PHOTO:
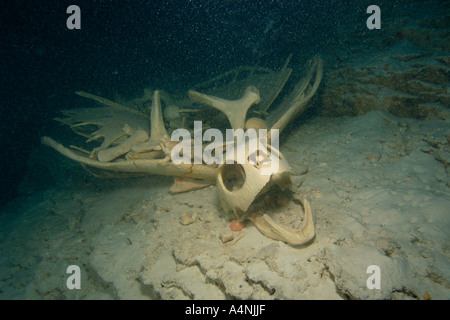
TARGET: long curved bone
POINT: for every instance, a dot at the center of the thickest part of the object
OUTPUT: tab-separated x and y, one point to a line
153	166
297	101
235	110
303	235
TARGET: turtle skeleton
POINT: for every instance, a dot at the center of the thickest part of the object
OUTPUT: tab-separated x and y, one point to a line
133	145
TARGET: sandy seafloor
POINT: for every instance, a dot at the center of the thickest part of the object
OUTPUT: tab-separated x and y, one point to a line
379	191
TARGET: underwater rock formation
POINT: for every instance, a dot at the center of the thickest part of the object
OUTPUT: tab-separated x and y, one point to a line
408	76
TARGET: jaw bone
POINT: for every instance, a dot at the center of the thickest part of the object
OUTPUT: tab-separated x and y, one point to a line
296	237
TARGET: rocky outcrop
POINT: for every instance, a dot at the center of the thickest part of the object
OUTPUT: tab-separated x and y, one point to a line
406	73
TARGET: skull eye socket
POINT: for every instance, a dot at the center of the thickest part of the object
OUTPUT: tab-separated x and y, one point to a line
233	176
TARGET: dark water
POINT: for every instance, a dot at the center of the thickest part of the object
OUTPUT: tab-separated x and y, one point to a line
125	46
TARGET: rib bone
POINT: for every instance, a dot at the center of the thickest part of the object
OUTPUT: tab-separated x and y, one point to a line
297	101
